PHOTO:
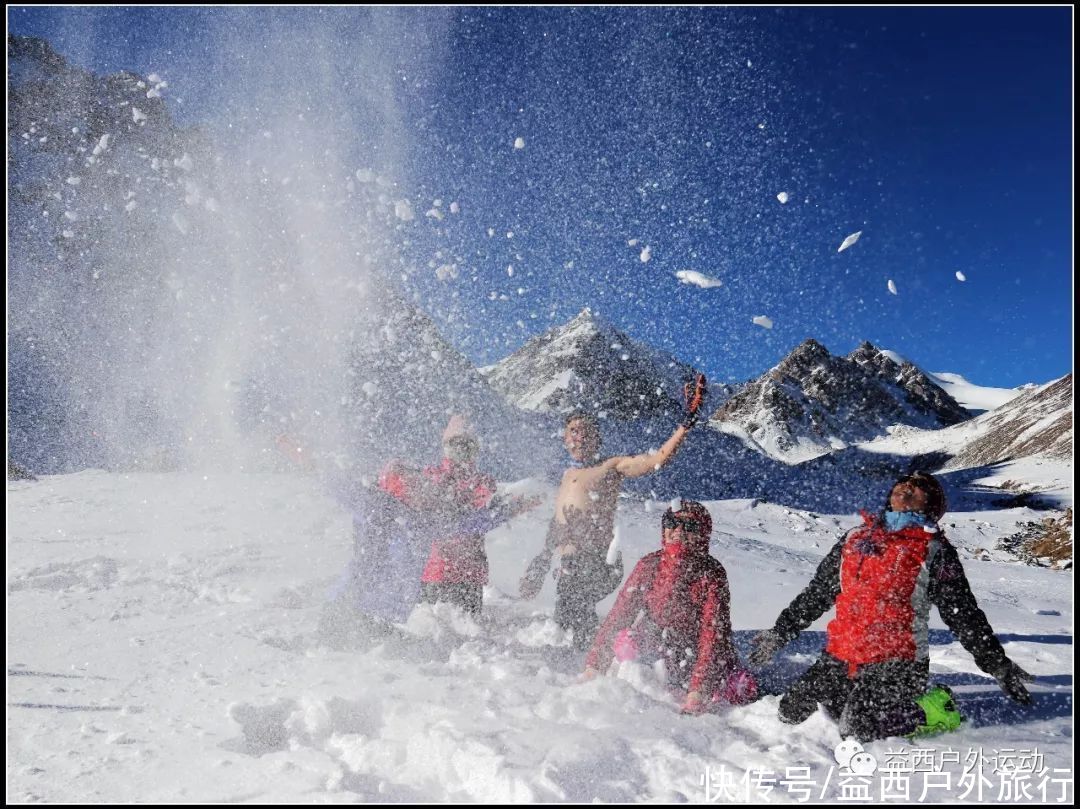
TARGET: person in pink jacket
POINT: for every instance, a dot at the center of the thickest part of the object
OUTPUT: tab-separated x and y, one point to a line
675	607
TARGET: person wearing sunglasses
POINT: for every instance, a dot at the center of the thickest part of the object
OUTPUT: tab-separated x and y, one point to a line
583	527
674	611
882	577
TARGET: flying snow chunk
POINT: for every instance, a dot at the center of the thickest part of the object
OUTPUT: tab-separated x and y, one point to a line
519	143
102	144
447	272
154	77
74	180
763	321
491	232
510	270
892	286
435	213
403	210
137	115
783	196
697	279
850	240
632	243
960	276
646	254
455	208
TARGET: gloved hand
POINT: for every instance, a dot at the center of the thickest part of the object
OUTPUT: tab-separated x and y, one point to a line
694	393
1011	679
694	704
765	646
533	580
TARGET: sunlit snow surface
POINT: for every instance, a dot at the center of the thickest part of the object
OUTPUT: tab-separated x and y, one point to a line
161	648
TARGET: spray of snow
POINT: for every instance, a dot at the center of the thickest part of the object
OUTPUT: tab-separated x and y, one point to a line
694	278
763	321
850	240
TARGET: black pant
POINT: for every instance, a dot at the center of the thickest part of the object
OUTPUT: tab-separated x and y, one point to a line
585	578
468	596
879	701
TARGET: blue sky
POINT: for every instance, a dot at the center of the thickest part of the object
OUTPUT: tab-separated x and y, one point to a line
943	134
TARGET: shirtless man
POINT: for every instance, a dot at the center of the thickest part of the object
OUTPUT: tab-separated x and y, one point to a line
584	522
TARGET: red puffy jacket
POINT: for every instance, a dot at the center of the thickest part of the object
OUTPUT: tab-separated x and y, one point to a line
883	606
678	600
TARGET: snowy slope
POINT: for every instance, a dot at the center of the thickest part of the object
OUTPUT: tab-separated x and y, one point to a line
160	650
976	398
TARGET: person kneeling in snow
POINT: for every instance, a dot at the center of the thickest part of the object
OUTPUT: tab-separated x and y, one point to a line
675	608
883	576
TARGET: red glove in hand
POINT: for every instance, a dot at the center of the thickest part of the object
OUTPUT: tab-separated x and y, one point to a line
694	393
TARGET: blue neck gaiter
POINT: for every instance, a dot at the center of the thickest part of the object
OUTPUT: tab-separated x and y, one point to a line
895	520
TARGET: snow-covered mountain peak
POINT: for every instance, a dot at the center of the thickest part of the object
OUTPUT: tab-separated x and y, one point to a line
813	402
588	363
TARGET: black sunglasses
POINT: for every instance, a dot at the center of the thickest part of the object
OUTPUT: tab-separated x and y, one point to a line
689	524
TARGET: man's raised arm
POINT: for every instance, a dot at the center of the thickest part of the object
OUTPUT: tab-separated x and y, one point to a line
634	466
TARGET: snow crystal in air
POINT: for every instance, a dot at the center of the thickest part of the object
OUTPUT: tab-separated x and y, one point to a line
697	279
68	234
102	144
783	197
519	143
491	233
455	208
632	243
892	286
403	210
850	240
137	115
763	321
960	276
510	270
447	272
646	253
